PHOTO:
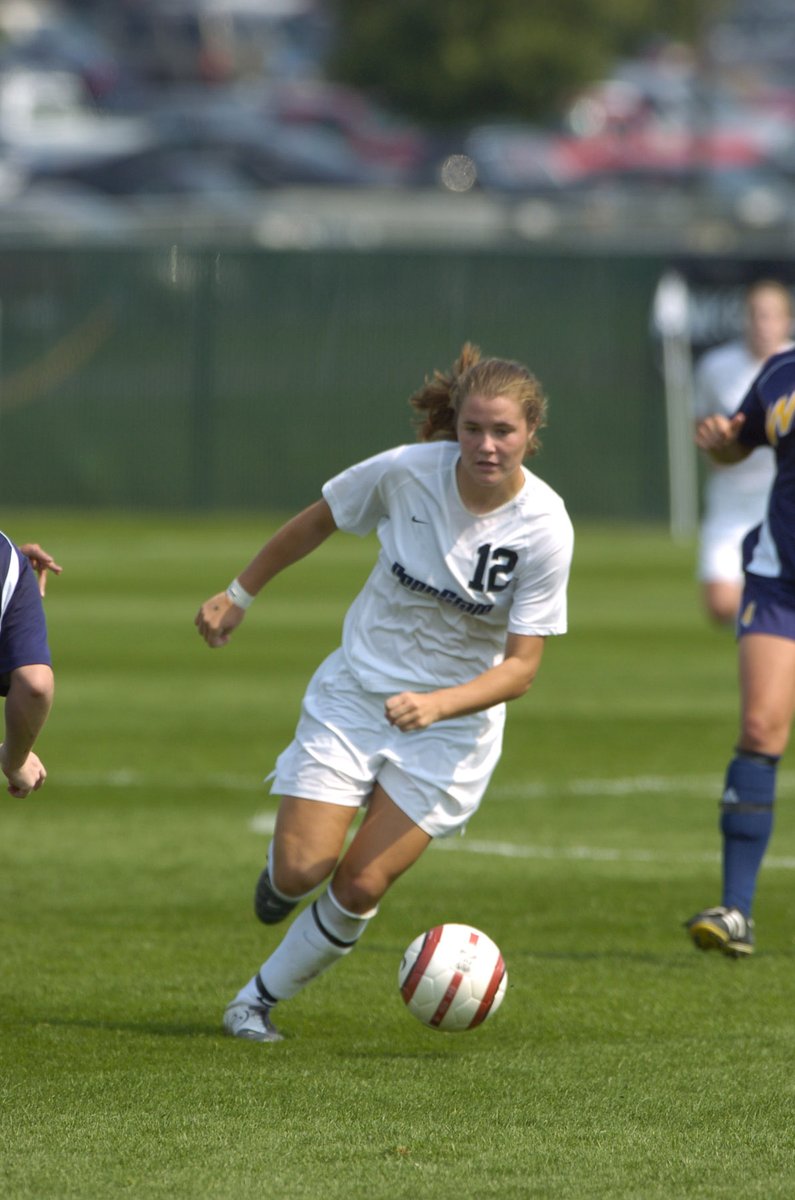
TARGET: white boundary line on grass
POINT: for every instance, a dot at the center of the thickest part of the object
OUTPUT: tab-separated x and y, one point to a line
641	785
129	777
264	823
633	785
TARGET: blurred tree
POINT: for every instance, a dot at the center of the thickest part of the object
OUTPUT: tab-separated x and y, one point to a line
456	60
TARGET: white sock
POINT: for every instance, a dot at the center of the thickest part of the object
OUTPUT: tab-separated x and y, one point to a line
322	933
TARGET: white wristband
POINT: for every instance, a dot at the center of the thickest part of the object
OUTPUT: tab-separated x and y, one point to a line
238	594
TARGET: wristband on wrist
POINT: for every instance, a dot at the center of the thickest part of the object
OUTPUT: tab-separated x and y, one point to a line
238	594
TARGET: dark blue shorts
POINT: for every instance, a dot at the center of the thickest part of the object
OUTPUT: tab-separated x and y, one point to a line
768	606
23	629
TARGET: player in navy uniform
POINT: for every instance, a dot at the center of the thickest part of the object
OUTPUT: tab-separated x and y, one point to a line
766	629
735	496
405	719
26	678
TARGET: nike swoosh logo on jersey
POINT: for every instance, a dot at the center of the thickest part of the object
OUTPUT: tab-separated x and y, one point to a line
419	521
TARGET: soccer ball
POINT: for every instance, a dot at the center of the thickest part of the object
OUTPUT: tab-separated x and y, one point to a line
452	977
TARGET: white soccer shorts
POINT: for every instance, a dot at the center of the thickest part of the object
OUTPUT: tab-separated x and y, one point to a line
344	744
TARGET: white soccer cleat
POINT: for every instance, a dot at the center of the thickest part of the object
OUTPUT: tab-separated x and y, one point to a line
250	1021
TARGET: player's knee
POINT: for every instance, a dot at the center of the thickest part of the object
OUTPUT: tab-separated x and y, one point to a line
722	614
722	601
296	867
764	734
358	891
35	682
297	879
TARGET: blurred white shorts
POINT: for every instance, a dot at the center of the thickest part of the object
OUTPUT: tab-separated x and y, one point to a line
721	546
728	517
720	551
344	745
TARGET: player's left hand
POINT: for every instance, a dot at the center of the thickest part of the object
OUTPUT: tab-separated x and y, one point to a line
412	710
42	562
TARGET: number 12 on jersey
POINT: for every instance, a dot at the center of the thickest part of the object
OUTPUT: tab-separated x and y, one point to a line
502	561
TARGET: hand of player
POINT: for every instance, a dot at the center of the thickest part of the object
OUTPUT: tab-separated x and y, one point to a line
717	431
42	562
25	779
412	710
217	619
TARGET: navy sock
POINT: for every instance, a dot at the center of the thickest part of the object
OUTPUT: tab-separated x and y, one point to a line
746	824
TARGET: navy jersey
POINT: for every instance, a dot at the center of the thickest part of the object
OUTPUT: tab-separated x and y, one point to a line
23	630
769	409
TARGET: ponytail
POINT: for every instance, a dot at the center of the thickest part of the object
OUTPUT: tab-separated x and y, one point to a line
435	402
438	402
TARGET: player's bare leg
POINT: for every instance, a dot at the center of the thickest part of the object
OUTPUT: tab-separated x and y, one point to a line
767	686
308	839
385	845
722	600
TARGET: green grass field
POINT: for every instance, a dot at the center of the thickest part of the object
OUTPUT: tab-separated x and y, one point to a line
622	1062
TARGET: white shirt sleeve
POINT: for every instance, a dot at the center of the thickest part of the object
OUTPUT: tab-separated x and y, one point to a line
357	497
539	607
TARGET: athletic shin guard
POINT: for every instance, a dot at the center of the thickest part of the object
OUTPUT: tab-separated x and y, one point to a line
746	824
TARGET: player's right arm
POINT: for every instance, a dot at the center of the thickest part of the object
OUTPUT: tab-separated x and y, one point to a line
218	617
27	707
718	435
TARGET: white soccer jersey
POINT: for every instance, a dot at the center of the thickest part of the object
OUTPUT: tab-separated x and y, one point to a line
723	376
448	584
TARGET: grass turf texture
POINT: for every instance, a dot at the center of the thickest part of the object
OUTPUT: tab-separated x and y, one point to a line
622	1062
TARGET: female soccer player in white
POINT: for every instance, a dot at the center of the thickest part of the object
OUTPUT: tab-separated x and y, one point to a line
405	719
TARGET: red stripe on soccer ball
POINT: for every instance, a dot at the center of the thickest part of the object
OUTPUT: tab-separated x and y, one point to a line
484	1008
411	982
446	1000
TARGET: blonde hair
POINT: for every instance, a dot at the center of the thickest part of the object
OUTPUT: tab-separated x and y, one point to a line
770	285
438	402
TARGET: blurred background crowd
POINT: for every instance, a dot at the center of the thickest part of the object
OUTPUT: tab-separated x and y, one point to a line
289	122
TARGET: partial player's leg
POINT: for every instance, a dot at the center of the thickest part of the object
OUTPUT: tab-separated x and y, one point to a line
307	841
722	600
720	567
385	845
767	681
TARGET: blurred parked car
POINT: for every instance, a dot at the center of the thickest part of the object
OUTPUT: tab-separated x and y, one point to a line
46	118
70	46
523	158
244	118
374	135
219	41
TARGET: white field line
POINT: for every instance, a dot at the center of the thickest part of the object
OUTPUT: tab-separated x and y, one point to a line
641	785
264	823
634	785
128	777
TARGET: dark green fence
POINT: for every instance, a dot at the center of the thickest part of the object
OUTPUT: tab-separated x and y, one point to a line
184	378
